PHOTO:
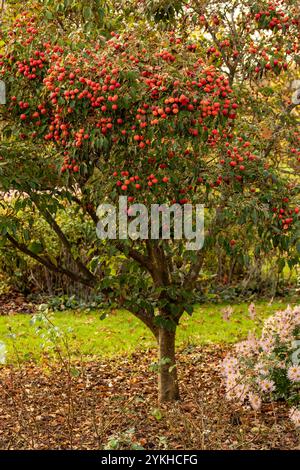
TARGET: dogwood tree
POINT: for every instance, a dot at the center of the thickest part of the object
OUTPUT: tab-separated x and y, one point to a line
199	110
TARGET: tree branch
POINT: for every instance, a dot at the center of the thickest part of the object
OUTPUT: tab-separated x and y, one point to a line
127	251
47	263
56	228
148	320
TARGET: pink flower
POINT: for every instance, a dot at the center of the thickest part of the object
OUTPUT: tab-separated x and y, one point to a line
295	416
266	385
267	344
247	372
229	365
255	401
252	311
248	347
261	368
236	391
226	313
293	373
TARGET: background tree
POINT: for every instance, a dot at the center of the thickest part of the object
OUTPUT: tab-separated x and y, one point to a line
195	109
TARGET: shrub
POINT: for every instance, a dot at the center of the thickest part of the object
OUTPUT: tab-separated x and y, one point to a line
268	368
25	274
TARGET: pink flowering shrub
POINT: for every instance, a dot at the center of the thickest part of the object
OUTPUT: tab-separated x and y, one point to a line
268	368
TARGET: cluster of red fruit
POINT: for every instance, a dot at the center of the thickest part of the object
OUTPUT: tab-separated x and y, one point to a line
191	47
121	93
35	116
133	180
271	59
82	88
275	18
69	164
238	158
282	213
264	16
173	39
133	185
31	68
213	51
295	149
212	82
166	55
24	26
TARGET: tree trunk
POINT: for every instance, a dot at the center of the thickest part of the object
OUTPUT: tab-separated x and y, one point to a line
167	380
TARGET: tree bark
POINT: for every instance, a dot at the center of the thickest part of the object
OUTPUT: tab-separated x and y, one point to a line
167	379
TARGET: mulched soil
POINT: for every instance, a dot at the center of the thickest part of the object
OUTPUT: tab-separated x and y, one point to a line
45	407
15	302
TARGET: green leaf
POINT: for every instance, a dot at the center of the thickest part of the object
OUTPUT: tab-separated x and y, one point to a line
87	13
189	309
48	15
157	414
36	247
74	372
281	264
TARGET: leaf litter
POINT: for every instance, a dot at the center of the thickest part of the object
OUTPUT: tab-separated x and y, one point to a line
112	403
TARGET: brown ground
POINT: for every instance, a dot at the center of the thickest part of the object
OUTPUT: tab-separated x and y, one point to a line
47	408
14	302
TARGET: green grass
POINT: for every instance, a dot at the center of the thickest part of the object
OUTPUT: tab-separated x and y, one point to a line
121	333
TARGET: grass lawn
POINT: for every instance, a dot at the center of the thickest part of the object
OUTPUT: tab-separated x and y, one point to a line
121	333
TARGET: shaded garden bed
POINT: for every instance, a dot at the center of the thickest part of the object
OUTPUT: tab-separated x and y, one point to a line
113	404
